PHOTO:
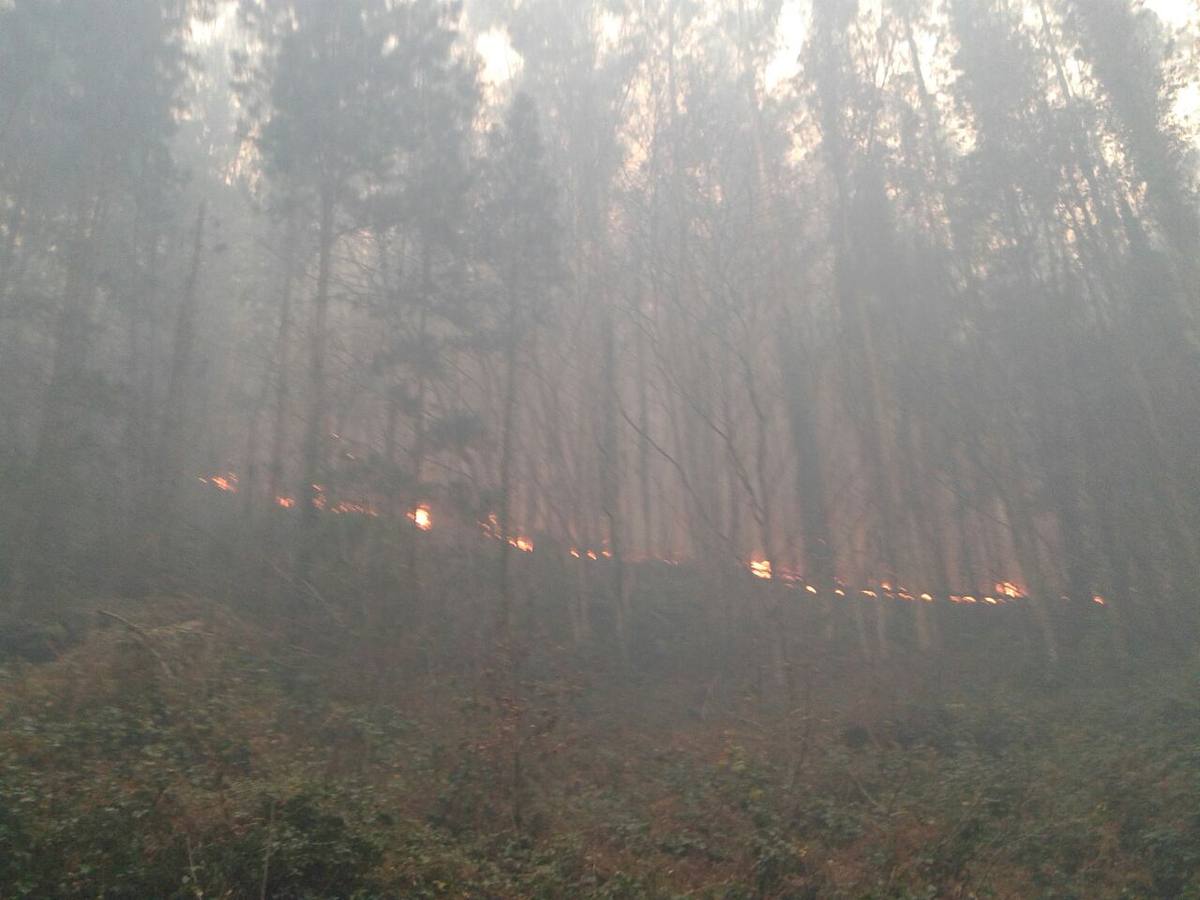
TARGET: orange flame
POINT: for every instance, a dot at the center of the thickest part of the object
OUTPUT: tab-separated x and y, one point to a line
227	481
422	517
760	568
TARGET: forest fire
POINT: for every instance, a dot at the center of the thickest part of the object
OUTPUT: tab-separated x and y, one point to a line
226	481
591	554
761	568
1001	593
491	527
422	517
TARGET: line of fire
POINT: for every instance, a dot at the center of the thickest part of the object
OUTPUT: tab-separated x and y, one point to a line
421	517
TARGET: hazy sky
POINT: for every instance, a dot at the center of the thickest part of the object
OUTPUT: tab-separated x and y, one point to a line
501	63
792	22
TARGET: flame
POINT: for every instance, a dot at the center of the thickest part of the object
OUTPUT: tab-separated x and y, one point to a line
223	481
928	598
760	568
810	588
591	554
285	502
1096	598
422	517
1008	589
839	592
575	553
524	544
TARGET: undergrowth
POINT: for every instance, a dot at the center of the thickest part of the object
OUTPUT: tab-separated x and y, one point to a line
206	757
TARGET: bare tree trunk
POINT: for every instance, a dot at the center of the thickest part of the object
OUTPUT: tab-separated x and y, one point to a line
611	475
281	369
315	430
173	440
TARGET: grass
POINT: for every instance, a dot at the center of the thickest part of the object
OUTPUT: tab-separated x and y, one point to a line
207	754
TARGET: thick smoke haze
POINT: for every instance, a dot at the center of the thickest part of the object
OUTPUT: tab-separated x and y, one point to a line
771	361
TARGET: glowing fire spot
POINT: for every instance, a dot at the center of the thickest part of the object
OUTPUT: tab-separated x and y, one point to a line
227	482
928	598
421	517
810	588
839	592
524	544
1096	598
591	554
575	553
868	593
1007	589
285	502
760	568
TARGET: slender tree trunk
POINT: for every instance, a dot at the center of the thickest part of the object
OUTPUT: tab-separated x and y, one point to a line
172	443
315	429
281	369
611	475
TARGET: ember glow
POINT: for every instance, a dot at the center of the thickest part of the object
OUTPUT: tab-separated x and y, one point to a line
760	568
491	527
422	517
1001	593
226	481
1004	592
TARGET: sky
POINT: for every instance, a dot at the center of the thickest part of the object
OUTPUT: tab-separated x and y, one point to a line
792	28
501	63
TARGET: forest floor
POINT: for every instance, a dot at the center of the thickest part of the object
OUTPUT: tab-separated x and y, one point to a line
179	751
